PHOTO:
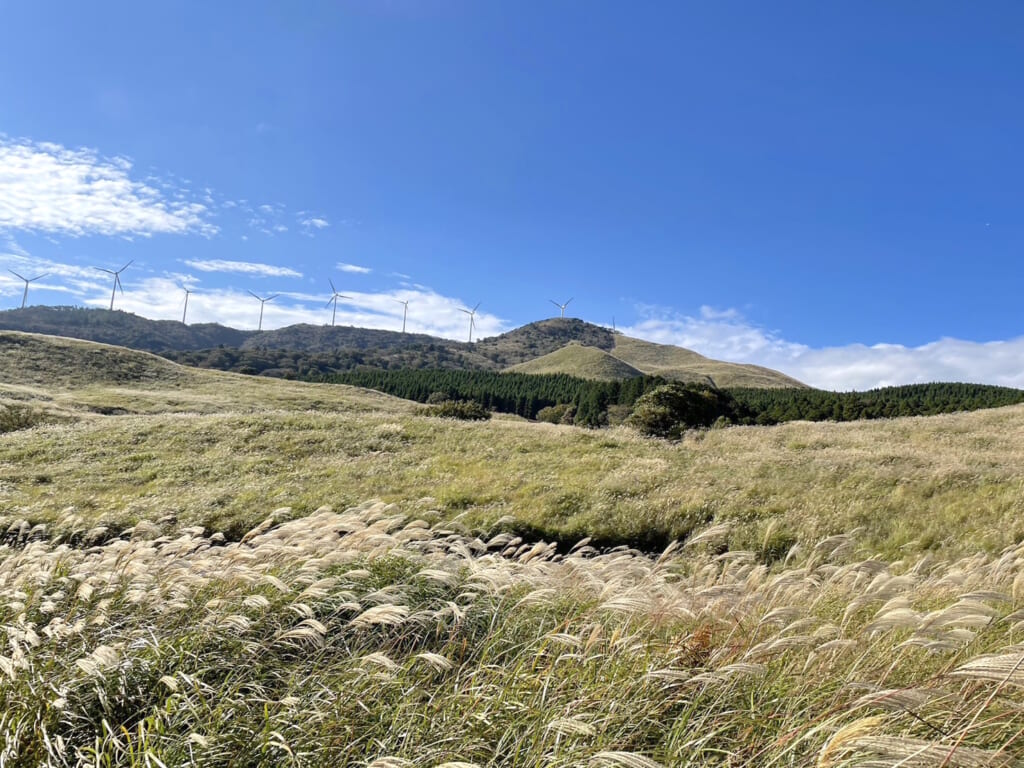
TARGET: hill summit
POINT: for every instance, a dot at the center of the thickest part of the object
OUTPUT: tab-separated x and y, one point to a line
555	345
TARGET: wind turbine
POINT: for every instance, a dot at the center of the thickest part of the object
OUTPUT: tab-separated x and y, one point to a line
405	312
262	301
117	281
471	314
24	296
561	306
334	300
188	291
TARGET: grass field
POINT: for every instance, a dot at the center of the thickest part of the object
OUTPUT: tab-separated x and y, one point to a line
191	576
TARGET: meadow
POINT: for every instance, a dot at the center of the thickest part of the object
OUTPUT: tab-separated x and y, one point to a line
207	569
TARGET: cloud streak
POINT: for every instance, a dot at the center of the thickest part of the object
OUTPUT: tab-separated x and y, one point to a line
353	268
241	268
48	188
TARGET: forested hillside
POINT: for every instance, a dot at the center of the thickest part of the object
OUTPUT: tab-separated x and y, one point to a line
527	394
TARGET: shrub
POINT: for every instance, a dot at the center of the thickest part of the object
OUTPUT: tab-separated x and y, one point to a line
467	410
668	410
555	414
15	417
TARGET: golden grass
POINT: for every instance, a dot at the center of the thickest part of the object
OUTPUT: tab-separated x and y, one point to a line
216	449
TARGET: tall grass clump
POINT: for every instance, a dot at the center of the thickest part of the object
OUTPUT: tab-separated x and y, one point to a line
367	638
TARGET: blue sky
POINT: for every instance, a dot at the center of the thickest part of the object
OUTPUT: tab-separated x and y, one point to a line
831	189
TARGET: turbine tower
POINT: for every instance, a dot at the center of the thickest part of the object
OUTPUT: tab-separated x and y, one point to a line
405	312
334	300
188	292
262	301
117	281
472	314
561	306
24	296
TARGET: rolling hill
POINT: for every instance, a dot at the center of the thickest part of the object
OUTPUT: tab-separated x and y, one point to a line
311	350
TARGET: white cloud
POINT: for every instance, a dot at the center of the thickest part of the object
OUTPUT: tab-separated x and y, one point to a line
48	188
241	267
727	335
311	224
354	268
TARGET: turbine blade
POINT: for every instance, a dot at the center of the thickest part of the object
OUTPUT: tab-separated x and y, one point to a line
271	298
333	289
117	282
477	306
253	294
343	296
333	299
39	277
17	275
108	271
555	303
568	302
465	310
122	269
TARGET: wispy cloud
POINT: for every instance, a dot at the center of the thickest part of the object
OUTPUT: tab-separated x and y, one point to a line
310	225
242	268
727	335
48	188
354	268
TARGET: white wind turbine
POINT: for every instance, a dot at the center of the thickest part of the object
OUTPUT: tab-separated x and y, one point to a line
24	296
472	314
188	291
561	306
334	300
117	281
262	301
405	312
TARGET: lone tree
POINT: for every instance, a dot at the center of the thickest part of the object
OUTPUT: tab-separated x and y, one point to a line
668	410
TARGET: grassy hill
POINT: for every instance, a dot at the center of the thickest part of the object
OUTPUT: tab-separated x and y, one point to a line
686	365
201	579
578	360
313	350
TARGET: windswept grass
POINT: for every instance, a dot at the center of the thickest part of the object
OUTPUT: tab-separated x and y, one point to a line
368	638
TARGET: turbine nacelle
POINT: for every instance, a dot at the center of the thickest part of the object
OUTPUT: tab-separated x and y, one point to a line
561	306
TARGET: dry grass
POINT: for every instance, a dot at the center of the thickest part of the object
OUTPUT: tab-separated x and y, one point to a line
369	638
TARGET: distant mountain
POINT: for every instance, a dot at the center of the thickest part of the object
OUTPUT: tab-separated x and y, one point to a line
557	345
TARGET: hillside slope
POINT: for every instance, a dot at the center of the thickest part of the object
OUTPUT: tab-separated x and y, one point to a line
71	378
683	364
578	360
